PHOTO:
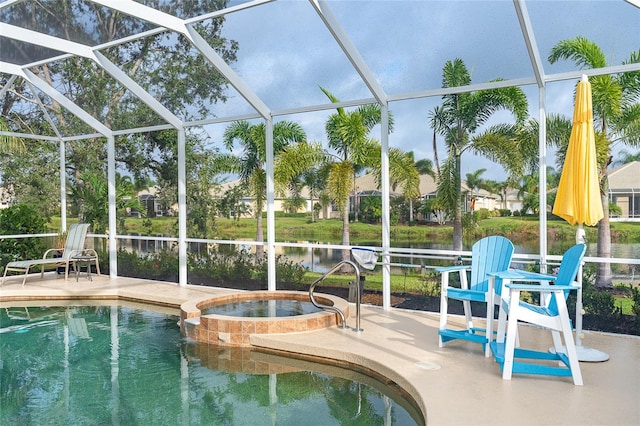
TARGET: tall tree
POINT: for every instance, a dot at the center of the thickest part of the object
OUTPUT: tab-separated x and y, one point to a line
616	110
528	192
33	177
461	115
250	164
165	65
348	134
436	120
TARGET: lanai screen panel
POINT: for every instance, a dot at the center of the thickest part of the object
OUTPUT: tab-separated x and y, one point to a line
406	43
25	103
79	21
612	25
286	53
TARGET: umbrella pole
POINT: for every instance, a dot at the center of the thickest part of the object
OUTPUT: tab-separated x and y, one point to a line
584	353
581	238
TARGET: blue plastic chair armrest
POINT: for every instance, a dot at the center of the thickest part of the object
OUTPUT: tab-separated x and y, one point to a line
508	274
542	288
452	268
520	275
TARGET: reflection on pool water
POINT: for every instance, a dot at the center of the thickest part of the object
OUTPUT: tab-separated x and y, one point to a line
263	308
125	365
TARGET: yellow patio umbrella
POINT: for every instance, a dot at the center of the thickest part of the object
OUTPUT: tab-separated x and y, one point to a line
578	198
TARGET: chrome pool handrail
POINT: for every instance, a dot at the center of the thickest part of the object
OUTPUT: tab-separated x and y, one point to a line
333	308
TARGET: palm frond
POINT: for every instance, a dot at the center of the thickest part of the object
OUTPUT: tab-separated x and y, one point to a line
580	50
340	183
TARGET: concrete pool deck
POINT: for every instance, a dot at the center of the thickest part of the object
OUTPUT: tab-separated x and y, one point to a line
455	385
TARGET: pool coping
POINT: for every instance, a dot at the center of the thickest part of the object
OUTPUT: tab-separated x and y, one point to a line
237	331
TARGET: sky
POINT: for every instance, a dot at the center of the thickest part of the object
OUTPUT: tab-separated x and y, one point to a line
286	53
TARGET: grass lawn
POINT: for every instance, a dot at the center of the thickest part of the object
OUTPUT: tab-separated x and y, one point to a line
625	303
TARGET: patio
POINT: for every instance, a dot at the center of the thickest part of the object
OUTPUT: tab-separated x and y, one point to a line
402	346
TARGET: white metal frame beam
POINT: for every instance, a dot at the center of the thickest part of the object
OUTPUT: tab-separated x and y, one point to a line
530	40
349	49
85	51
178	25
67	103
538	70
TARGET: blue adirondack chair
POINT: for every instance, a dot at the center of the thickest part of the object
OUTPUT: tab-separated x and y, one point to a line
490	254
551	314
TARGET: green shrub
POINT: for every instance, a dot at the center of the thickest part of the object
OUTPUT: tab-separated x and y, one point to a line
483	213
370	209
635	296
228	264
286	271
594	300
430	284
599	302
16	220
223	263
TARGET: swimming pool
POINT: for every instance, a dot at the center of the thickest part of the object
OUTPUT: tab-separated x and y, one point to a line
126	365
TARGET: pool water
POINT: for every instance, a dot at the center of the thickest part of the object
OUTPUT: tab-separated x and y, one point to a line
263	308
120	365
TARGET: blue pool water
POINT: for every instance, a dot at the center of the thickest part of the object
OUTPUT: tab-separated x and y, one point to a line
263	308
117	365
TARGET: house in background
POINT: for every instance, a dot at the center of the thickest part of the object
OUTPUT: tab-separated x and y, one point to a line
624	191
246	205
151	202
480	199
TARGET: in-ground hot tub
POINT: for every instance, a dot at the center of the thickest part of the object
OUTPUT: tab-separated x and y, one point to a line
200	321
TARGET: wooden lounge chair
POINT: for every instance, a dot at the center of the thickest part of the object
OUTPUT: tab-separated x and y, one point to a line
74	246
490	254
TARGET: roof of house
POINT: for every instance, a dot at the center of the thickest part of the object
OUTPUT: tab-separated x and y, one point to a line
427	186
626	176
221	189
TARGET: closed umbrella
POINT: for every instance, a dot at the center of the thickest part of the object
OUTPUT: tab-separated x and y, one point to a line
578	197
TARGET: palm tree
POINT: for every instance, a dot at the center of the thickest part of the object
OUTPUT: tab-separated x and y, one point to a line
460	116
424	166
315	179
528	191
91	194
299	165
616	110
251	162
348	132
9	144
436	119
475	181
405	172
